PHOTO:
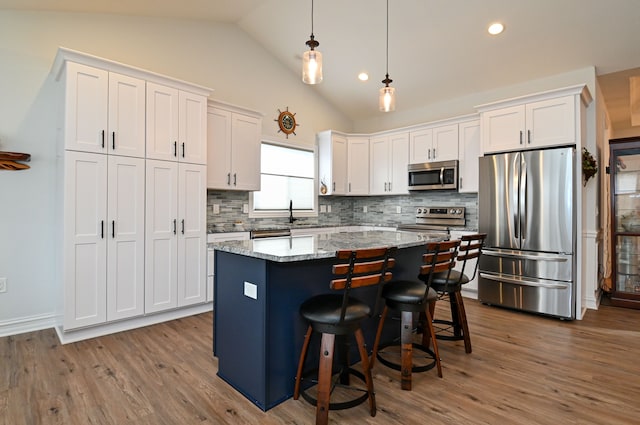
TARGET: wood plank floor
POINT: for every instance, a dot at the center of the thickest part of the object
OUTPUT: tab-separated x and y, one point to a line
524	369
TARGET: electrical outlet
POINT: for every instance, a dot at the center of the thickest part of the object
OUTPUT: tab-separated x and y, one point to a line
328	208
399	209
3	284
364	209
245	208
216	208
323	208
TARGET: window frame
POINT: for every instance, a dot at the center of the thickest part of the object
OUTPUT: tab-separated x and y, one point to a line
285	213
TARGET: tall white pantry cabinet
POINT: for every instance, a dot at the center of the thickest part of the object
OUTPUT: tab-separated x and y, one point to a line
133	234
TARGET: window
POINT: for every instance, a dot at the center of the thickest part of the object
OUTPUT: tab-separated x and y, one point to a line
287	178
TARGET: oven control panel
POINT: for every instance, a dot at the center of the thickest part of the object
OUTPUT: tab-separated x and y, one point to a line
440	212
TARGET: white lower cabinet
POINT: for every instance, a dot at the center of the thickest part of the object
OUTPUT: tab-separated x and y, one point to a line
103	238
175	235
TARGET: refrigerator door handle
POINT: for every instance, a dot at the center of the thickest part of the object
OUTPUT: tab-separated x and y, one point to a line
522	208
535	257
549	284
515	195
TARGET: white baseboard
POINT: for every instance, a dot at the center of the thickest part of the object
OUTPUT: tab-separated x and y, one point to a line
75	335
27	324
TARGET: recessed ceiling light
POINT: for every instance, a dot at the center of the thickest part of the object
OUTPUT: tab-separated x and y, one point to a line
363	76
495	28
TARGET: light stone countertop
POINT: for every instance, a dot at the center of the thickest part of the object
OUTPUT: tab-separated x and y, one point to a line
324	245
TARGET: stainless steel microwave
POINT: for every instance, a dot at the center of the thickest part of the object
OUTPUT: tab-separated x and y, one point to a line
434	175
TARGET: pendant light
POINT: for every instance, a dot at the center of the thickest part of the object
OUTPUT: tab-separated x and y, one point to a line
312	59
387	100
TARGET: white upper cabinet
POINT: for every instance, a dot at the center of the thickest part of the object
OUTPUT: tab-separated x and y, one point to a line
104	111
332	158
469	154
358	165
434	144
234	148
536	121
388	160
176	125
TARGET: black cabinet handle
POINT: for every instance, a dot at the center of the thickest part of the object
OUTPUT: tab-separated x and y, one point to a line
520	136
175	149
113	140
183	149
529	136
101	229
102	139
174	226
228	179
113	229
235	180
183	226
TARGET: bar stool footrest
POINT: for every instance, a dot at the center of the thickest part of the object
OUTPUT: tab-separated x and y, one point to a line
414	368
343	404
447	332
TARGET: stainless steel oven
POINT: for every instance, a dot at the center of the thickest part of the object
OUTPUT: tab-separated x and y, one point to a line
434	175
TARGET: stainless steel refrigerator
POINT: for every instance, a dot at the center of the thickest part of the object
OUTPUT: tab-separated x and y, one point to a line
526	206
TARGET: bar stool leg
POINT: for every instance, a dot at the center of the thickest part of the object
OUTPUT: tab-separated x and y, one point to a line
324	378
462	319
432	332
366	367
406	344
374	354
303	356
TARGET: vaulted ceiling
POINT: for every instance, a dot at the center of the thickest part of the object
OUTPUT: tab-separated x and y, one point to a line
438	49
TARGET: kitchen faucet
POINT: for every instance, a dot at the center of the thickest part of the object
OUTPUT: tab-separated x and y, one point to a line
291	219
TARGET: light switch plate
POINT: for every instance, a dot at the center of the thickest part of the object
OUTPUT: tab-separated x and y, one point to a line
245	208
399	209
323	208
251	290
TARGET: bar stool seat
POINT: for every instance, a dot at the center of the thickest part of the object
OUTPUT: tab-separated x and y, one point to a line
337	316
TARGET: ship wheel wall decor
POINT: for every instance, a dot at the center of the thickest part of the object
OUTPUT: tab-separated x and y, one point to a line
287	122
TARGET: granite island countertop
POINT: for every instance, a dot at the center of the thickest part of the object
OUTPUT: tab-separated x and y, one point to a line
323	245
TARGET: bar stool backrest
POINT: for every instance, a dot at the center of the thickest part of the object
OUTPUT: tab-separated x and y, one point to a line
365	267
470	248
440	258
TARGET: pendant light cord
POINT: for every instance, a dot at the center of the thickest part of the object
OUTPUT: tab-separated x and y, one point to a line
312	17
387	37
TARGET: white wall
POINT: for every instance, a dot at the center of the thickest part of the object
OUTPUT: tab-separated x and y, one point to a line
217	56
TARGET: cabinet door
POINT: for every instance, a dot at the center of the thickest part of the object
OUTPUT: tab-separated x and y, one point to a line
245	152
192	234
192	128
339	165
398	172
420	144
469	154
445	143
86	97
85	246
503	129
219	149
162	122
161	224
358	165
126	134
379	166
125	235
551	122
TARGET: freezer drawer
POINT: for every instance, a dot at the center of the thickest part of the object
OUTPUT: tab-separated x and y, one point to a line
527	294
533	264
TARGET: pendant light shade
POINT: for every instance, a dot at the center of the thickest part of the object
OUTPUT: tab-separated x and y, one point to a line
387	100
312	59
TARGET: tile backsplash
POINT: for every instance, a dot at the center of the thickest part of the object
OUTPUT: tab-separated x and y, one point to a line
345	210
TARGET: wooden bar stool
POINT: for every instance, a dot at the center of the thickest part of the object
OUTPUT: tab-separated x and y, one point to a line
411	297
448	287
340	315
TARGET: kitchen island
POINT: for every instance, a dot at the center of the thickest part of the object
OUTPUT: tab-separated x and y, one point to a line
259	286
